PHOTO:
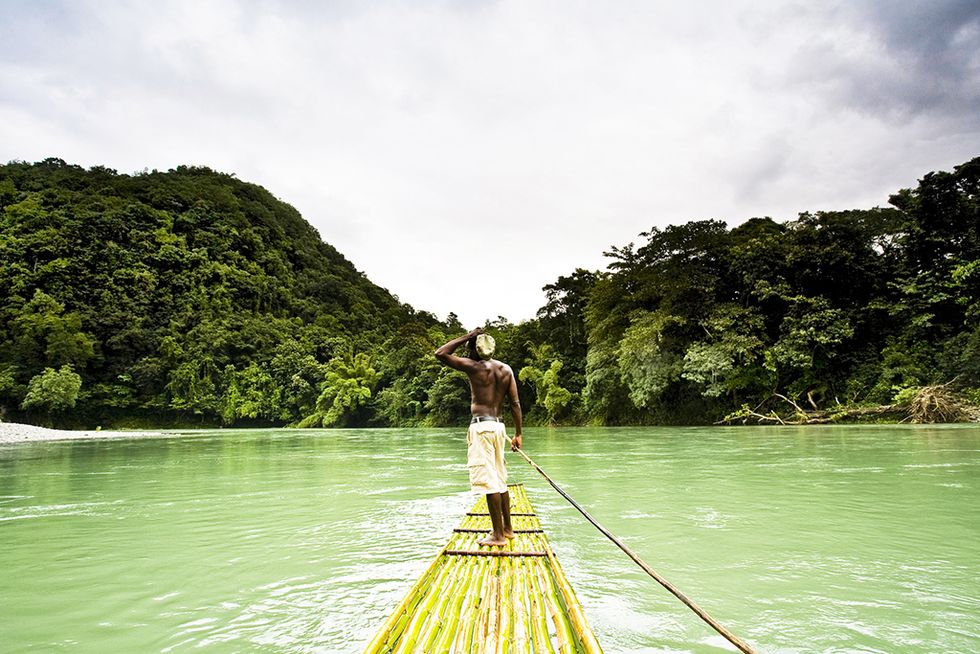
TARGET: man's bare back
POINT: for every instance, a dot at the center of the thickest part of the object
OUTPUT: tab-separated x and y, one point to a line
490	382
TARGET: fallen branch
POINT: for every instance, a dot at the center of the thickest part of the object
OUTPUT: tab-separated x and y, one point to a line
936	404
929	404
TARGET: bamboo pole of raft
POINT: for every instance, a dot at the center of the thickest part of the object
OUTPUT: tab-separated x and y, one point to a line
563	625
701	613
506	612
464	635
552	610
540	619
493	603
407	642
380	640
587	639
470	603
521	641
444	641
485	620
435	625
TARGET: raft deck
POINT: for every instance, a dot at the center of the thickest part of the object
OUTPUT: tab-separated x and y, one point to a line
475	598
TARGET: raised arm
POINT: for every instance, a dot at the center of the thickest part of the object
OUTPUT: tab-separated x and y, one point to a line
515	410
445	352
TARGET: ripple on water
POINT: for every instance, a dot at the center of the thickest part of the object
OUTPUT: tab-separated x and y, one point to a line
708	518
36	511
859	470
386	490
639	515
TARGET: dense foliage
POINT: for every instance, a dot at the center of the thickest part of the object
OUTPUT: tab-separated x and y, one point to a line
188	295
832	309
192	296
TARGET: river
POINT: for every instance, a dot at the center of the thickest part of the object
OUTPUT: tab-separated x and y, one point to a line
819	539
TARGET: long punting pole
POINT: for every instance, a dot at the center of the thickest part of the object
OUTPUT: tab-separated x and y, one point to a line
732	638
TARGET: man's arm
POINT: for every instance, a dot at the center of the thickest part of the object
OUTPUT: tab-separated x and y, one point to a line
515	410
445	353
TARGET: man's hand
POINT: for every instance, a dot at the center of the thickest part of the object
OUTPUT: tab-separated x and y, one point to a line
515	443
446	356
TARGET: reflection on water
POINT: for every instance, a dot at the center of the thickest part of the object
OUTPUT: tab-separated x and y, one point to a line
843	539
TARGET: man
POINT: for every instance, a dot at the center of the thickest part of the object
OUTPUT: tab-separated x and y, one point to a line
490	382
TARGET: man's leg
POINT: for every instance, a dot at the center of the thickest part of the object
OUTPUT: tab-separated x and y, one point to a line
505	510
496	519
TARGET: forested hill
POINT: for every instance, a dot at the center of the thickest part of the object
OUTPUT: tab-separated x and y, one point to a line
832	311
192	297
170	295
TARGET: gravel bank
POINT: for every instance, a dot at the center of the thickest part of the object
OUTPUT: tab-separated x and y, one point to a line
11	432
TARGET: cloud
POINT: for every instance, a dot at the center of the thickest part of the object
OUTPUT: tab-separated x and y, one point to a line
897	61
466	154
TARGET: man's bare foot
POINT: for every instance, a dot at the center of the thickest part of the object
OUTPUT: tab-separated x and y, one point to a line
490	541
508	534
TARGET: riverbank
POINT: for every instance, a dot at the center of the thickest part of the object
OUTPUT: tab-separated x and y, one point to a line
12	432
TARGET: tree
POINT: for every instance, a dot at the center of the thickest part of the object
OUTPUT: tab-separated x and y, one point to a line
562	317
348	386
727	359
45	335
396	404
249	393
99	270
448	399
296	379
649	360
544	376
192	292
53	391
192	386
812	333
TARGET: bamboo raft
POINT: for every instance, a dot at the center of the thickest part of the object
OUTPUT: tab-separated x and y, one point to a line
475	598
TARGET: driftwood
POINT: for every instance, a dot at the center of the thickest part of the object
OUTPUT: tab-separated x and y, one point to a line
930	404
940	404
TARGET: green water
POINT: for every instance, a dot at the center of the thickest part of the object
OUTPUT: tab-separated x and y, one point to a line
854	539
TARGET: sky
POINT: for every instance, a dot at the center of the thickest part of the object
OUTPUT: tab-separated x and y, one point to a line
465	154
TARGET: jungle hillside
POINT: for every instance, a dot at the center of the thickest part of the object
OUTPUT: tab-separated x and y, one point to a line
192	298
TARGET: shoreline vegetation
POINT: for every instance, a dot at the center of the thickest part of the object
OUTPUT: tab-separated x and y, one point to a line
191	298
926	405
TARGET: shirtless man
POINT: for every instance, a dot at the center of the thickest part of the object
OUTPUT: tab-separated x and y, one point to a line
490	381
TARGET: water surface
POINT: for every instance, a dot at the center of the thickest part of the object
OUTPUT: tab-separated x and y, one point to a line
829	539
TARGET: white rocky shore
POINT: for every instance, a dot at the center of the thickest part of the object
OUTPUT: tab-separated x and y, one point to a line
11	432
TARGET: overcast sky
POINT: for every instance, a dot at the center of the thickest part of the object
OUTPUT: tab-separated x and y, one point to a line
465	154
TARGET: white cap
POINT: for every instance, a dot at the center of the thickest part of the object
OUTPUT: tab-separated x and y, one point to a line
485	345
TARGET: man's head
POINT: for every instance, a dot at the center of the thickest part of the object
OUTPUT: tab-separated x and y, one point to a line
484	346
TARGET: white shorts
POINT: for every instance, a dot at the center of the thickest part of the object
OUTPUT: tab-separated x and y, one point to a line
486	444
